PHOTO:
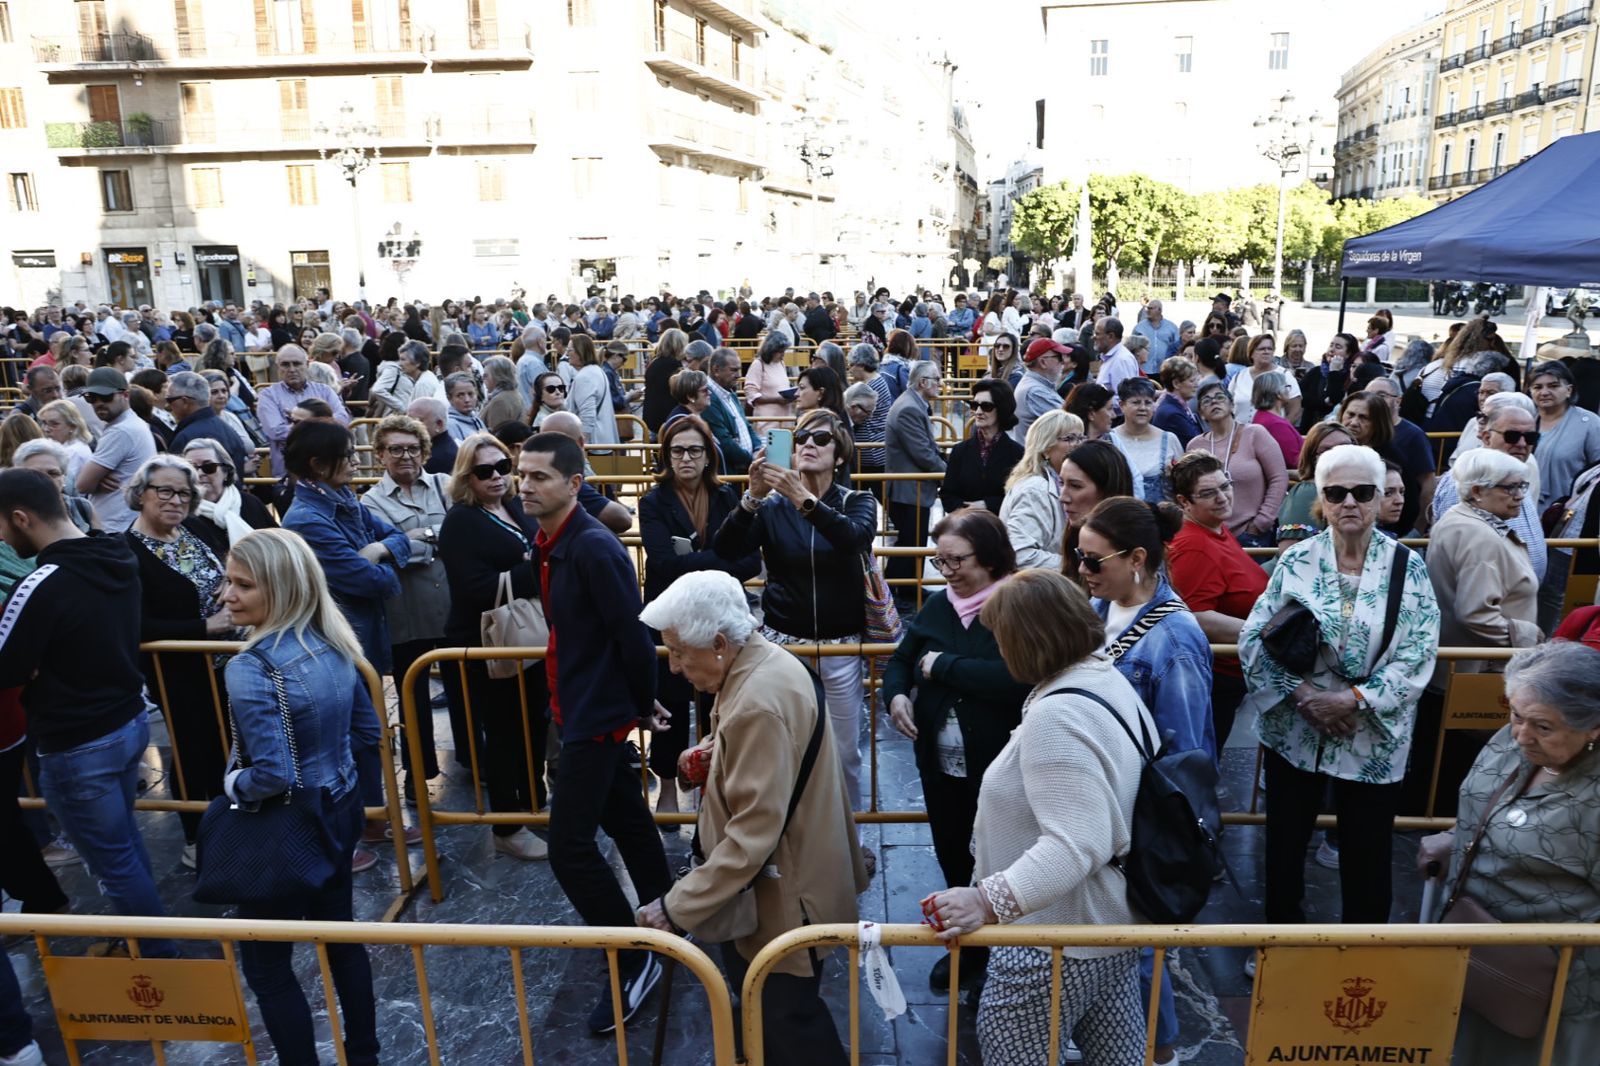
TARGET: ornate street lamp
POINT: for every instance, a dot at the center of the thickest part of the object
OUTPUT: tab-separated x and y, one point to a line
354	150
1284	139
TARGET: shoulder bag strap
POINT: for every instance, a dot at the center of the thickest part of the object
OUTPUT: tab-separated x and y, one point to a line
1477	837
1136	632
807	761
283	713
1146	751
1397	587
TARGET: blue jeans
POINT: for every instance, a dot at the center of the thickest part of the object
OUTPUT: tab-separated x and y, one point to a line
1167	1012
269	965
90	789
16	1028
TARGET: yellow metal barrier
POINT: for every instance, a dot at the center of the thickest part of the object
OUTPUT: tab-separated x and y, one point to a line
389	813
1333	939
513	939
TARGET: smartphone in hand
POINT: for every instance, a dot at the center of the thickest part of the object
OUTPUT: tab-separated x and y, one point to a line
780	447
682	545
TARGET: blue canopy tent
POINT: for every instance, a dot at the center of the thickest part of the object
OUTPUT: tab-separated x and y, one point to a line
1536	224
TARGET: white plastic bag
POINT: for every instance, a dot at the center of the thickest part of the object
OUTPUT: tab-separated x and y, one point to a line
880	978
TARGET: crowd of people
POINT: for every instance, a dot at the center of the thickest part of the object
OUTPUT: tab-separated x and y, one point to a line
331	482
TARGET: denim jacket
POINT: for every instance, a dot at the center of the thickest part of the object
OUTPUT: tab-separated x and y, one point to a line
337	527
328	703
1170	668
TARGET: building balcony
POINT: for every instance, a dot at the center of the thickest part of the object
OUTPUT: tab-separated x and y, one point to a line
1477	54
93	49
1449	118
1467	177
1501	106
1455	62
1474	113
1572	19
680	55
105	138
740	14
1527	98
1544	29
674	133
1563	89
1506	43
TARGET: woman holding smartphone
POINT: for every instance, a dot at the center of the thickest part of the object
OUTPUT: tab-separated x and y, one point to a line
677	521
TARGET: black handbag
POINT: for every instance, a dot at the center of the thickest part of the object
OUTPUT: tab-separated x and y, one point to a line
1294	639
281	850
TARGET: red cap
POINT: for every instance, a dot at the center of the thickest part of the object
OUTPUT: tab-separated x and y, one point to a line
1044	346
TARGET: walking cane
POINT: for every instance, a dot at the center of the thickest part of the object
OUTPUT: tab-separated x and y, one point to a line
669	966
1430	893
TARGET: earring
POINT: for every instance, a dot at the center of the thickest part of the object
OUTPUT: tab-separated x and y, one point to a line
1136	578
719	659
1589	746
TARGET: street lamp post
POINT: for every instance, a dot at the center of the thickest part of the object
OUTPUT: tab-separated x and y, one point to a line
354	151
814	155
1285	140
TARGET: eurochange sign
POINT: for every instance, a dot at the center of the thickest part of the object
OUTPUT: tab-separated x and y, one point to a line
1356	1005
147	999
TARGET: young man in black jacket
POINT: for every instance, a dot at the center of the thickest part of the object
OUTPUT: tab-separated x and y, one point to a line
601	669
89	725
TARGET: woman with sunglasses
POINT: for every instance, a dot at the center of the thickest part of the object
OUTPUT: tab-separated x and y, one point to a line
977	468
813	536
1252	460
486	538
1005	359
361	555
1348	720
1212	573
226	514
1031	510
550	394
1155	643
948	690
677	520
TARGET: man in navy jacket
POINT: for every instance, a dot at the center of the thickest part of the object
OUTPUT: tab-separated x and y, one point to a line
602	673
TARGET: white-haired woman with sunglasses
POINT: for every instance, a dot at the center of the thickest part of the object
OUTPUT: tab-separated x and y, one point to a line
812	534
1349	718
226	514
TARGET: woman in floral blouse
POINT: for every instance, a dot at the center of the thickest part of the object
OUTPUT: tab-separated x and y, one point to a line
1350	718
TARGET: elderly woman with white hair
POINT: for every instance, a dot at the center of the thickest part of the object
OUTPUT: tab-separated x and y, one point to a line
775	817
226	512
1509	424
1488	597
51	460
1526	847
1336	653
1490	386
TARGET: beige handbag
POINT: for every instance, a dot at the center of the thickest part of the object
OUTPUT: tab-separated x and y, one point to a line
512	623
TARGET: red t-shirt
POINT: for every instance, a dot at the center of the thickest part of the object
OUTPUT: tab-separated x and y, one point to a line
1212	573
1582	625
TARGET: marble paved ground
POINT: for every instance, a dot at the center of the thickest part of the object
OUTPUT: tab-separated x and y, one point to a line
474	1011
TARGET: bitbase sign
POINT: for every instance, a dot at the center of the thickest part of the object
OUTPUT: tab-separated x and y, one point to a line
147	999
1356	1005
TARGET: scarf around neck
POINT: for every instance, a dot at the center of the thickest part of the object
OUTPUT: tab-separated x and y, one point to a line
697	502
967	607
224	513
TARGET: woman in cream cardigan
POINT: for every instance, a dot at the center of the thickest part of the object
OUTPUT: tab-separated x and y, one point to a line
1488	597
1054	813
1035	520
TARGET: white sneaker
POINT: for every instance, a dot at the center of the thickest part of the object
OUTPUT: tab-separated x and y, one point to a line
522	845
1073	1054
28	1056
1250	966
189	856
60	852
1327	856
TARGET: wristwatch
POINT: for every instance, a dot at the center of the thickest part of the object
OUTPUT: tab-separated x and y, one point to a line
750	502
808	505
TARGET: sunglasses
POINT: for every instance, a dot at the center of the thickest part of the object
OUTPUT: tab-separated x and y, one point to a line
485	471
1517	436
562	389
1093	563
1335	494
983	405
208	468
820	437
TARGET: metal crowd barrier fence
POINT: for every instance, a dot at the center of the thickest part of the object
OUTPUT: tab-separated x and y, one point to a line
1465	707
1309	979
390	813
203	998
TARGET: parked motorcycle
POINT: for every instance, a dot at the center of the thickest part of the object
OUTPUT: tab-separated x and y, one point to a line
1457	299
1489	297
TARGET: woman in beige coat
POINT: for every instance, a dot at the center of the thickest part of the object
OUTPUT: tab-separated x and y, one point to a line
766	714
1488	597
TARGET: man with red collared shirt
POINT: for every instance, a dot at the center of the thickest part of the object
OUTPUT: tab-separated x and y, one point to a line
600	664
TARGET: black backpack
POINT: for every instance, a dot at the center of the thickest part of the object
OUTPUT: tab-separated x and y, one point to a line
1175	857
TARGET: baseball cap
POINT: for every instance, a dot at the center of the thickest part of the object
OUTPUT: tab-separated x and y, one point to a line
106	381
1044	346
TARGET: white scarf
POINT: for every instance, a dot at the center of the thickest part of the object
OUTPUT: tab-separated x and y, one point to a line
225	513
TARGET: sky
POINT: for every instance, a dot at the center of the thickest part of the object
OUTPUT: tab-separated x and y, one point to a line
1003	67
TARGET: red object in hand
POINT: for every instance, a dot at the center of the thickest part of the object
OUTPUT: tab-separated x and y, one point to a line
930	914
694	765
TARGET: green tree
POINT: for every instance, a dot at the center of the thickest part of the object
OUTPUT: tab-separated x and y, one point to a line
1134	216
1353	218
1044	223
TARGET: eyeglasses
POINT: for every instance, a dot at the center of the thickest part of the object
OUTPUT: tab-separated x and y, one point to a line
404	451
1071	438
1093	563
562	389
1216	396
1002	347
983	405
164	493
820	437
1516	488
208	468
1518	436
949	564
485	471
1335	494
687	451
1217	492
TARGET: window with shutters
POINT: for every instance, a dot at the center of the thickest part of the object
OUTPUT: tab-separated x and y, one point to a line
580	12
483	27
294	115
205	186
1185	53
1099	57
94	33
390	114
285	27
5	23
12	115
396	182
199	122
1278	53
191	27
20	188
116	191
104	103
491	181
302	185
